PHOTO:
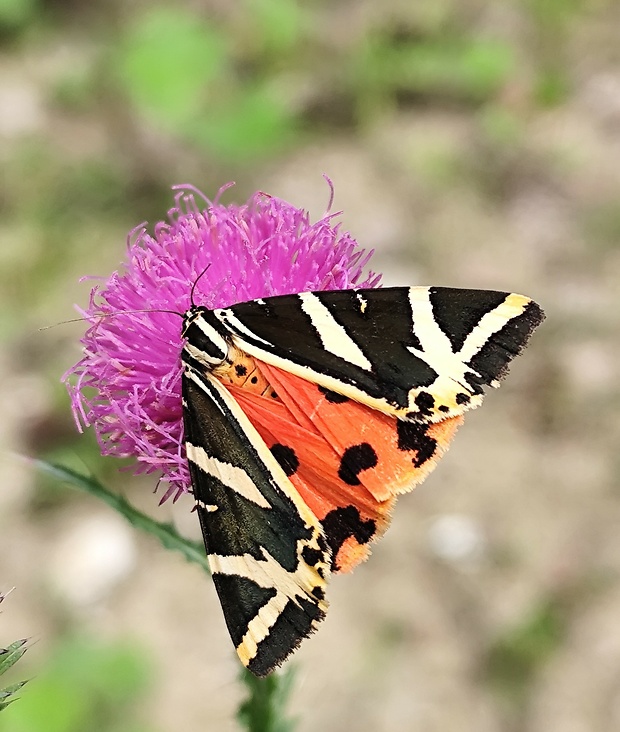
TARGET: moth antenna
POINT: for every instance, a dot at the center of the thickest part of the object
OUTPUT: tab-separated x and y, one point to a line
191	294
111	315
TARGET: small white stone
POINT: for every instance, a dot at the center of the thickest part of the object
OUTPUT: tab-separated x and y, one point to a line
21	109
91	558
456	538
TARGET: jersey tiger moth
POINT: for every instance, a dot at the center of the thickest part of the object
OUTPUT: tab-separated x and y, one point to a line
307	415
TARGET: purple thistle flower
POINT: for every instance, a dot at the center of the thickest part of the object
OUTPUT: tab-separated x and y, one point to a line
128	383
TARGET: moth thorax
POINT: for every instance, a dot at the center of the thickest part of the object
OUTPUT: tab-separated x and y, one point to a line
242	370
205	342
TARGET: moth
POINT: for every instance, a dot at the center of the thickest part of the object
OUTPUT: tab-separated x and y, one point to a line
306	416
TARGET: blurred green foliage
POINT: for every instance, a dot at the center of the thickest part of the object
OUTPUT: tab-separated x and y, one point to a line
240	85
457	68
515	659
16	14
182	72
9	656
168	61
84	686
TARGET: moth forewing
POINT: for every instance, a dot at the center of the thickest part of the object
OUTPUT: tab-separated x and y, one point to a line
266	549
412	353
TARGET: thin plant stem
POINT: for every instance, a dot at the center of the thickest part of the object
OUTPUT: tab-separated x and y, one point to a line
264	710
166	533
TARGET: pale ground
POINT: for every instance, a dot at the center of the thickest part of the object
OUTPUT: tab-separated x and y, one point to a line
523	510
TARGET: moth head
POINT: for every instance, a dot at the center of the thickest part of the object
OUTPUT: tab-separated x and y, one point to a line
206	340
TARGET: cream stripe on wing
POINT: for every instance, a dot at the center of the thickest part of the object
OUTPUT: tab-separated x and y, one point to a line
436	347
236	479
267	572
334	337
260	626
490	323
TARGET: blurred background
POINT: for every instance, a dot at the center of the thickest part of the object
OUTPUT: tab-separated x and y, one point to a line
472	144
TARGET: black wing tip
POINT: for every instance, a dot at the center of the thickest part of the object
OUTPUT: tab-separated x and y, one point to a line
492	362
525	324
534	315
270	656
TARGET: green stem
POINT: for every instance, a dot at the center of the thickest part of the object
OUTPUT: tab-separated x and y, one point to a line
166	533
264	709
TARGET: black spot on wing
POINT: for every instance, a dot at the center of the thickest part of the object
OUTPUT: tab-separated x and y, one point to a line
462	398
296	621
425	403
342	523
413	436
491	362
240	369
333	396
457	312
311	556
354	460
241	599
285	455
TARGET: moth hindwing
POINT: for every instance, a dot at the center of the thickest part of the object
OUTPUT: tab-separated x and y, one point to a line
420	356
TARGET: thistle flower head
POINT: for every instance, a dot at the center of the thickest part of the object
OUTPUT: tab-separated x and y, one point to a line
127	385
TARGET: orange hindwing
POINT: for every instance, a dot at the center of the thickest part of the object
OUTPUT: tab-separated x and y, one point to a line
347	460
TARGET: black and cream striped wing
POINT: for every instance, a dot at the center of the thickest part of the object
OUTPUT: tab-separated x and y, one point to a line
266	549
421	353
